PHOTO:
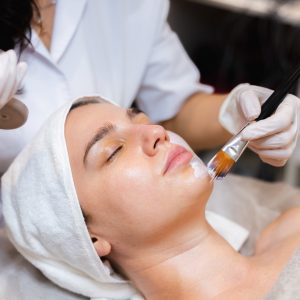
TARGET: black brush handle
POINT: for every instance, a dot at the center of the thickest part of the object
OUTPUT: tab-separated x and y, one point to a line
271	104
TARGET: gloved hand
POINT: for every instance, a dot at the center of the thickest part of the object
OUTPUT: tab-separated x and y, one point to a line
273	139
11	75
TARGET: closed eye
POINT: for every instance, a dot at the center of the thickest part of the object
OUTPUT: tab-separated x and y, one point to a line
115	152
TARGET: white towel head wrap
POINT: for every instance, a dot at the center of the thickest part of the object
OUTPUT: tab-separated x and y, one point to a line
44	219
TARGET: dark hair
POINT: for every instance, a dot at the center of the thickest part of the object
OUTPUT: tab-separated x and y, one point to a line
15	20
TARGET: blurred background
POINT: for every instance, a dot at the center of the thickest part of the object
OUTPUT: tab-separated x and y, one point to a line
235	41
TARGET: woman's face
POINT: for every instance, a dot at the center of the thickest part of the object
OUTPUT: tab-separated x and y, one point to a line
133	184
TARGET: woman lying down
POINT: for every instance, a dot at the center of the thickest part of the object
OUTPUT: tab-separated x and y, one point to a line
100	184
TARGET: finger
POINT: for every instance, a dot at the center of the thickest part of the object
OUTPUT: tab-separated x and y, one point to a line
278	122
278	154
14	63
280	140
21	71
261	92
4	64
11	75
251	100
249	105
274	162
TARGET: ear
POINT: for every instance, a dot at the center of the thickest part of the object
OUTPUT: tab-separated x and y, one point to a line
102	246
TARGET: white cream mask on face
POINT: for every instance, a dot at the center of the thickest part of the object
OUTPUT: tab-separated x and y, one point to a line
198	166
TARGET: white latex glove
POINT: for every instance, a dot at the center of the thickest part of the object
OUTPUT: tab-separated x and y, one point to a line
273	139
11	75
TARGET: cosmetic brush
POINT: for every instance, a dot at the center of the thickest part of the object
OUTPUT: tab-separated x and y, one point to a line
222	162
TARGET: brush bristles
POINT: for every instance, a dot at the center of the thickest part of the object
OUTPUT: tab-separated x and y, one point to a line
220	165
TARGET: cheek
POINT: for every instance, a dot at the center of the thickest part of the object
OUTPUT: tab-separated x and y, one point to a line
137	195
133	197
139	186
139	203
190	190
134	186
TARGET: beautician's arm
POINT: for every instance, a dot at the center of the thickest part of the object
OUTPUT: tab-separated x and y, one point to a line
197	122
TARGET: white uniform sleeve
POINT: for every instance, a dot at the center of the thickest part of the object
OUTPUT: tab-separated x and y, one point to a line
170	77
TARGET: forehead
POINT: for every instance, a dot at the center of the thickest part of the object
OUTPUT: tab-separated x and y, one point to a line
82	122
84	117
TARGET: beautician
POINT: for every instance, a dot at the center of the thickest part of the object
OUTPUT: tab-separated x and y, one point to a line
124	50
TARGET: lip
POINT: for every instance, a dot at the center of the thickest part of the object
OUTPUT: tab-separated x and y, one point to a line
176	157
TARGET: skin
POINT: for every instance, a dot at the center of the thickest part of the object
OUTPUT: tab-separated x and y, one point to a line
45	29
145	147
151	225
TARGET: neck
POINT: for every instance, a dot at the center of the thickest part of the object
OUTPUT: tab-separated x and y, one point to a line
201	266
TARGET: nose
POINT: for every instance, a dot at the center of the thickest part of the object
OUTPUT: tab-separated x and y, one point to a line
152	137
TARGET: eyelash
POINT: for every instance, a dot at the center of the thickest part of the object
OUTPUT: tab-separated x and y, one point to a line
111	157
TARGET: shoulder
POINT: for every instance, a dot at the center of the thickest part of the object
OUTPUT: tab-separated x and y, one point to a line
285	228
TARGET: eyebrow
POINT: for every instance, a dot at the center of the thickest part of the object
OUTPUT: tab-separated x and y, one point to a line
106	130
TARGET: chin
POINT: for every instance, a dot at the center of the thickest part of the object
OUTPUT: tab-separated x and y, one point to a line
205	186
199	189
